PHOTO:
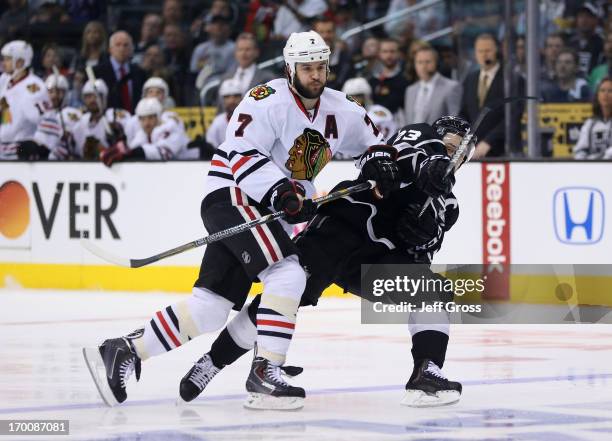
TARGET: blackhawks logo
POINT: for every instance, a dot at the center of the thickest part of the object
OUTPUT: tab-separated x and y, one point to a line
350	98
309	154
33	88
260	92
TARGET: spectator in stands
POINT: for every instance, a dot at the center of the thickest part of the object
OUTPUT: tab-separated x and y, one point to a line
154	62
172	12
260	19
554	43
74	97
587	43
433	95
411	50
93	46
50	56
218	7
123	78
420	23
84	11
213	57
485	86
245	72
150	33
567	87
176	55
388	82
50	13
344	18
340	66
368	58
295	16
595	140
520	61
14	19
604	69
452	65
231	94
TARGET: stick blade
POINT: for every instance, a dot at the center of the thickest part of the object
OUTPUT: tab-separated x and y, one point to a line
104	255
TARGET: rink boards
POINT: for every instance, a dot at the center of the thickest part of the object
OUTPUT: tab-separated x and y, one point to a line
528	213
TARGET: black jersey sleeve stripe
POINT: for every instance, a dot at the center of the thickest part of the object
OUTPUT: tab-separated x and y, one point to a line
259	164
275	334
245	153
172	316
221	175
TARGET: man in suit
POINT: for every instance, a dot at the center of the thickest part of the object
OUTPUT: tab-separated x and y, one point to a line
124	79
486	87
433	95
246	72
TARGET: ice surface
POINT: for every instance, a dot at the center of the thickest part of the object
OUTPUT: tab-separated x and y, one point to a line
520	382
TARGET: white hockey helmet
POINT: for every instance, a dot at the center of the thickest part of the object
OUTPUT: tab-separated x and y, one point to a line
304	47
156	82
230	87
97	87
56	82
18	50
149	106
383	118
357	86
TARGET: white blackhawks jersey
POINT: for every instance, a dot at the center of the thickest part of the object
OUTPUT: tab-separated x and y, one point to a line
55	133
167	141
133	125
270	137
22	104
215	135
90	137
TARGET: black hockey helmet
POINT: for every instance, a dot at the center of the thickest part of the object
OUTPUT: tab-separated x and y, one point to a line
450	124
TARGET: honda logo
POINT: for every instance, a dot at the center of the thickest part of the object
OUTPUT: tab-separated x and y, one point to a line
578	215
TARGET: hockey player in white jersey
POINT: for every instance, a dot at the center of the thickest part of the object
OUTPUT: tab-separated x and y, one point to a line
23	98
53	138
360	90
155	139
231	93
278	140
99	127
156	87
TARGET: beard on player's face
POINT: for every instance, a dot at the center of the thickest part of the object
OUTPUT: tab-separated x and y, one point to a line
311	91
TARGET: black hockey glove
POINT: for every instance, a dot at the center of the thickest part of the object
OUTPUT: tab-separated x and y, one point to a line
432	180
288	196
378	164
31	151
414	231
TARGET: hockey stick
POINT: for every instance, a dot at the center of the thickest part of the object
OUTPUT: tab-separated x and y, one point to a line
137	263
467	138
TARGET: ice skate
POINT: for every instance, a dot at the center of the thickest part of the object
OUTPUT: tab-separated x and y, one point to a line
269	391
110	366
428	387
198	377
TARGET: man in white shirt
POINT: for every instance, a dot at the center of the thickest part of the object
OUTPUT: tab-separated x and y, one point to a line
421	103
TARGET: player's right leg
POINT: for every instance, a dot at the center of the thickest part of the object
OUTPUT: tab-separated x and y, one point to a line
222	284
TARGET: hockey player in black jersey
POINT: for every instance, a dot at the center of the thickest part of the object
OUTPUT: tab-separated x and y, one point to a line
364	229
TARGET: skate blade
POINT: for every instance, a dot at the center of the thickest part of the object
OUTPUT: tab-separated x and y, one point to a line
95	364
418	398
267	402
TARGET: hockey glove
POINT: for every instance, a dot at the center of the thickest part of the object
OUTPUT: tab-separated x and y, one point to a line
432	180
115	153
378	164
414	231
31	151
288	197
